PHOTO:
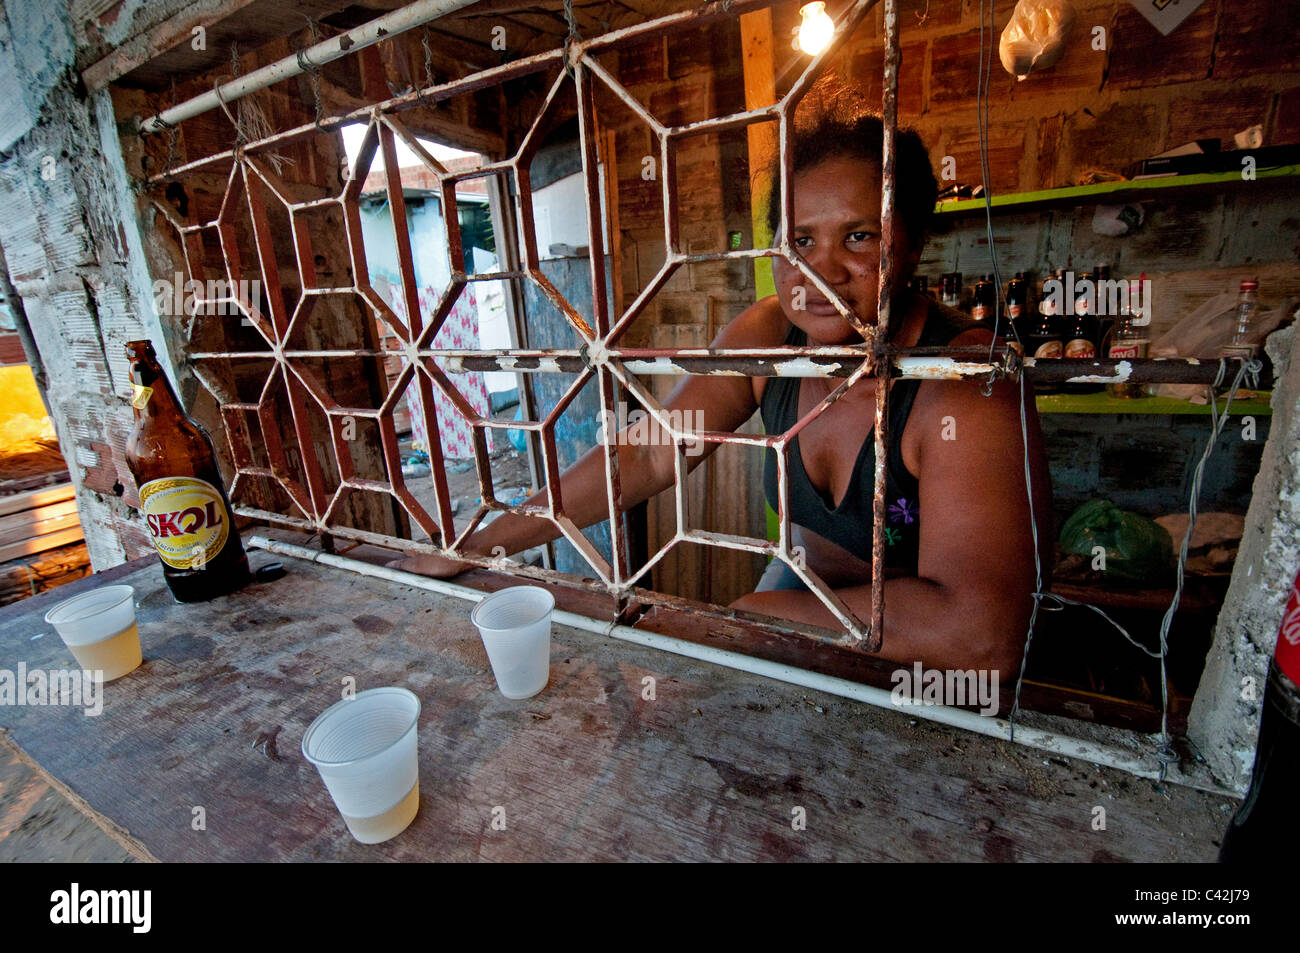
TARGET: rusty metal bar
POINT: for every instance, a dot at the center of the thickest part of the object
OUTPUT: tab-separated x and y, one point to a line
887	277
605	381
426	367
928	363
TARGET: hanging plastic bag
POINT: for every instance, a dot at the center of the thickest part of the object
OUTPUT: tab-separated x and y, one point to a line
1203	333
1035	37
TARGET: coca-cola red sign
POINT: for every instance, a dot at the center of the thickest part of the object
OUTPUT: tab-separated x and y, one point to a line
1287	652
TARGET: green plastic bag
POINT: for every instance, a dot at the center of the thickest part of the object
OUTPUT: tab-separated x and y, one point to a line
1137	549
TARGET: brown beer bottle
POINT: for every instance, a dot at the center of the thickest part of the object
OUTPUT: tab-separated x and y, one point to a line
181	494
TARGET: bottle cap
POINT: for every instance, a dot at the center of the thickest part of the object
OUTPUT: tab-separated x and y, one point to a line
1249	285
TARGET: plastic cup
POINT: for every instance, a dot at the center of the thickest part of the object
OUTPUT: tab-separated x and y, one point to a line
365	750
100	630
515	625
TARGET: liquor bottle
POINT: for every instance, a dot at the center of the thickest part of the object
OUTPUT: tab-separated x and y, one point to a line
1263	829
1243	343
1080	334
920	284
1017	313
1084	294
982	302
181	495
1105	315
950	291
1128	340
1043	342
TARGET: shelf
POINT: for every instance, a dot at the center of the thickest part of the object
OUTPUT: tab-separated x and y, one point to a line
1103	403
1110	192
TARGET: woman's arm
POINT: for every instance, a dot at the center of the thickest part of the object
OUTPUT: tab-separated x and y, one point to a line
712	403
969	604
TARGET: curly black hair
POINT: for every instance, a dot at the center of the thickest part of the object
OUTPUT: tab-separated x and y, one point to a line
834	120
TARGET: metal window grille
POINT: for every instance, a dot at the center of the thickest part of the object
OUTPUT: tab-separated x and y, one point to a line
251	183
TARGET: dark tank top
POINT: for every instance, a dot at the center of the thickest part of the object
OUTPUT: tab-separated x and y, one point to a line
849	524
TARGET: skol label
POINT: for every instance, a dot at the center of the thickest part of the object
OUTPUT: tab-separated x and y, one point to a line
187	520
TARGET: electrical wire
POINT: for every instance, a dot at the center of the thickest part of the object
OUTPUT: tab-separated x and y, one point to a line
1164	754
983	77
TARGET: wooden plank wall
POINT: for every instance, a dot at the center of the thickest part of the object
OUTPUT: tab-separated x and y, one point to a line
1137	95
683	78
1116	96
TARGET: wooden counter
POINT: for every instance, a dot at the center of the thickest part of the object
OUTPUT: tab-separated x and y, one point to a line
713	768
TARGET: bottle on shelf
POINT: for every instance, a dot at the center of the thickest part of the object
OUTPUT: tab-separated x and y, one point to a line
1017	311
1080	334
920	284
1105	314
1242	343
983	301
1128	340
1043	342
950	290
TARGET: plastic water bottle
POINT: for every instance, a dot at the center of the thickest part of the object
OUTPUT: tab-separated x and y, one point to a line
1242	343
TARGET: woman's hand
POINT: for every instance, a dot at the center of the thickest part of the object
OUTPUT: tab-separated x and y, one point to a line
438	567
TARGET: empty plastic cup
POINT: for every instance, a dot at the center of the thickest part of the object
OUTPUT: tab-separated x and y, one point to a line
515	625
365	750
100	631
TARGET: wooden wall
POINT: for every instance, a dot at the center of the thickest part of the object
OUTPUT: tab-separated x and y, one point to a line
680	79
1229	66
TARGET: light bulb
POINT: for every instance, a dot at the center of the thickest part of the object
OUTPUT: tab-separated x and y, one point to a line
815	28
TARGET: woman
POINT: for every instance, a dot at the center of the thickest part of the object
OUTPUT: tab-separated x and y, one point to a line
960	554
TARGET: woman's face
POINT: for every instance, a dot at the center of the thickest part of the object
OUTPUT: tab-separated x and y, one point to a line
836	230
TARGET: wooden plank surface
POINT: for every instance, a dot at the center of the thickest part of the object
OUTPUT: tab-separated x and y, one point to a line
713	767
39	544
38	522
21	579
34	498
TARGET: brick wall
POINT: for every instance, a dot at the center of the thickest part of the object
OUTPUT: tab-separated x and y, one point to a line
11	348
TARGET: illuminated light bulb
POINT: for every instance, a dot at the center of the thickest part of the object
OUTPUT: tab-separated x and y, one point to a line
815	29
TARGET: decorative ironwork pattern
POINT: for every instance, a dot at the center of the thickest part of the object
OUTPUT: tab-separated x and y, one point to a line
252	185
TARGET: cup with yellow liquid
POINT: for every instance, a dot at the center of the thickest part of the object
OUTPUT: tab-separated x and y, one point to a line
99	628
365	750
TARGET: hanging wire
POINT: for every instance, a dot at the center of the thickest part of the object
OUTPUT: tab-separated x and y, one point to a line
1165	753
984	77
1217	421
248	119
981	110
311	69
428	70
573	37
236	118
